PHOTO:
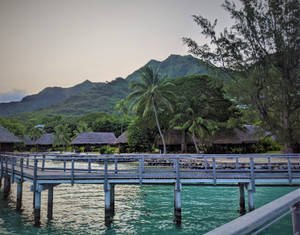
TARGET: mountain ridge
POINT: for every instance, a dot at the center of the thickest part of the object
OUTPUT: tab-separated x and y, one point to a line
90	96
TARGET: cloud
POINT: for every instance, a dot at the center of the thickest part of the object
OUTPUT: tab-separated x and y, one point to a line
15	95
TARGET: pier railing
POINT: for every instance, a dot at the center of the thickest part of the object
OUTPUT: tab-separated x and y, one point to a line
47	170
260	219
250	166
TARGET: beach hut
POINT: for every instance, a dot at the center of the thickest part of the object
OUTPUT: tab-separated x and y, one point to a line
239	139
177	141
94	139
29	143
7	140
122	142
45	142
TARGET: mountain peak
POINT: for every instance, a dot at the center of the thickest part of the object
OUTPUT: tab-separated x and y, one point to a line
86	82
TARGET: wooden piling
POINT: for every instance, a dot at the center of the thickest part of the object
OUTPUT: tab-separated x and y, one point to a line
50	203
296	218
242	199
112	198
108	204
1	172
177	204
250	197
37	208
19	195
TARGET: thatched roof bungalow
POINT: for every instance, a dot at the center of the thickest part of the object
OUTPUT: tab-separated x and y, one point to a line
122	139
247	135
45	142
28	141
96	139
240	138
122	142
177	141
7	140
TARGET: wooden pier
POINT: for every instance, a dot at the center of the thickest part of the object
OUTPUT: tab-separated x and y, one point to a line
244	171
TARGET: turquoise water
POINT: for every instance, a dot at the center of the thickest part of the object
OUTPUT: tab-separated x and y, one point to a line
146	209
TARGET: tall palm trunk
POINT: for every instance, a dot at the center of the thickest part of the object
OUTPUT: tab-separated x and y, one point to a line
158	126
195	143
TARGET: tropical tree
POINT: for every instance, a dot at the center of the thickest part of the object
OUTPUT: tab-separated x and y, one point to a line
61	135
150	95
201	107
188	120
122	108
80	128
261	53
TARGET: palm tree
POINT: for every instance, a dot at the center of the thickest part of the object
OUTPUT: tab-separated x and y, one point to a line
34	134
80	128
61	136
188	120
122	108
149	94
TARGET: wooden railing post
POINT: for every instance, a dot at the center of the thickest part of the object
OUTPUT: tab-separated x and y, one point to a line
141	169
65	165
72	176
105	175
214	171
35	180
13	169
289	170
237	162
1	173
22	168
7	182
89	165
252	174
116	166
43	162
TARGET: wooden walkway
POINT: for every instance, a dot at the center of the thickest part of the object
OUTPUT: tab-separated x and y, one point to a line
46	170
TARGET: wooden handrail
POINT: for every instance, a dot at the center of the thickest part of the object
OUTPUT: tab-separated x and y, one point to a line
258	217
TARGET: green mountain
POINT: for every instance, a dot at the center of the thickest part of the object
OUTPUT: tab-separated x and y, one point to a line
90	97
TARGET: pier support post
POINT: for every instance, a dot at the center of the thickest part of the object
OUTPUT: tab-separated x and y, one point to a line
250	197
177	203
108	203
7	186
19	195
112	198
37	207
50	203
242	198
296	218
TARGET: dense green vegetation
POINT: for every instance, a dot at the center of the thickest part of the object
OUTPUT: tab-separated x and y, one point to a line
261	54
196	105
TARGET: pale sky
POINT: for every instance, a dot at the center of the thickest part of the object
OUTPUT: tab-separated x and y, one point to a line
64	42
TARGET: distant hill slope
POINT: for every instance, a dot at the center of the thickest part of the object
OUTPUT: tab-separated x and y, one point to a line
95	97
44	99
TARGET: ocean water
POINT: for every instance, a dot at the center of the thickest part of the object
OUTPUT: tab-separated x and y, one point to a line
146	209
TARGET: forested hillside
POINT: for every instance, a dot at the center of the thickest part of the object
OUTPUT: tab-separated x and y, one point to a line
90	97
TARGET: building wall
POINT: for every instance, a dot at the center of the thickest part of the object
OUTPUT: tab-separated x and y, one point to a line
6	147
